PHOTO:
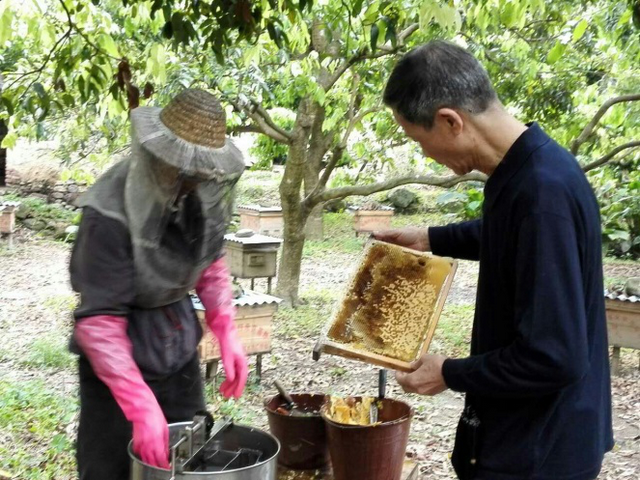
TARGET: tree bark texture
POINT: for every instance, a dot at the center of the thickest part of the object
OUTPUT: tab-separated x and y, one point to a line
3	155
293	211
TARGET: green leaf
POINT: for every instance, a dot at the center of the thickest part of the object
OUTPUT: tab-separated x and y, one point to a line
357	7
8	104
375	31
556	52
619	235
371	14
39	90
390	35
625	17
156	63
580	29
445	16
426	13
178	27
108	45
508	16
6	20
10	140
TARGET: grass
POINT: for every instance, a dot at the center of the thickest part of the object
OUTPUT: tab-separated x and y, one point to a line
61	304
453	333
34	444
242	410
41	209
307	319
49	351
258	187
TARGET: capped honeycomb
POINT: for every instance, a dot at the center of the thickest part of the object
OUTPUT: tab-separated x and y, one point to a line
390	304
350	411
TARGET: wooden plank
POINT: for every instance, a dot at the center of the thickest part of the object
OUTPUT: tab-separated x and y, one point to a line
623	328
410	472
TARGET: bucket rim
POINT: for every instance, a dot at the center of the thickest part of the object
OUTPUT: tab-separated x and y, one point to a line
271	398
135	458
404	418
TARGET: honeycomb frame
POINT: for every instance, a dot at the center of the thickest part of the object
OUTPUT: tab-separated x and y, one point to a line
350	331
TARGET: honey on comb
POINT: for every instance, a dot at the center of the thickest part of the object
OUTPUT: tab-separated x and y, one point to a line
389	306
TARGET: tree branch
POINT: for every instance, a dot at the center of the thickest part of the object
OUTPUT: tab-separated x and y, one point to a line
588	130
44	64
609	156
362	55
363	190
244	129
260	124
338	151
259	109
82	34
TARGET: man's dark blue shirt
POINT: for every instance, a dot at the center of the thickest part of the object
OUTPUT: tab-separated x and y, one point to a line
538	374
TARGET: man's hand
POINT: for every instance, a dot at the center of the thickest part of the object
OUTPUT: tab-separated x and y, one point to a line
426	379
410	237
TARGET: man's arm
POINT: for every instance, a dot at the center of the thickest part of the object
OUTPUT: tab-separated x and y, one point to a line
550	350
457	240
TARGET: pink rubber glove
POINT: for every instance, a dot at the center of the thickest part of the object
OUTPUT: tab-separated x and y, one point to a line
215	293
104	341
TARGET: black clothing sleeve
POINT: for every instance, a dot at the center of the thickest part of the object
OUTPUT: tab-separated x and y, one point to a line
550	350
458	240
101	267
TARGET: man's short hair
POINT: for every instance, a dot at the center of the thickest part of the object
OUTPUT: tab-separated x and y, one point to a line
438	75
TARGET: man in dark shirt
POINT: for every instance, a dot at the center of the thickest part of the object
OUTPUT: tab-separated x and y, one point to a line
538	399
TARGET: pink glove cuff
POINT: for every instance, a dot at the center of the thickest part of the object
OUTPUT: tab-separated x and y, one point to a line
215	293
104	341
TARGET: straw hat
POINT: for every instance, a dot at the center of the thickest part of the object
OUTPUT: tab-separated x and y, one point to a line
190	134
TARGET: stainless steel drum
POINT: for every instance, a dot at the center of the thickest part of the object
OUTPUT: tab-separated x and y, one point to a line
201	450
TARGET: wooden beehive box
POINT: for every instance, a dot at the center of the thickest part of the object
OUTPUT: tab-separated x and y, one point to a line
254	321
252	256
262	220
8	217
367	221
390	310
623	324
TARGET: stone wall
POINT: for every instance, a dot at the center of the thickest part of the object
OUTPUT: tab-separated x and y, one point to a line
67	192
62	193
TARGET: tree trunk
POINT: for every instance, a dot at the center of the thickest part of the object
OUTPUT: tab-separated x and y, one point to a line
314	228
318	146
291	258
292	209
3	155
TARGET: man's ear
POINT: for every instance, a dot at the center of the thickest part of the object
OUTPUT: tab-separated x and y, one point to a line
451	120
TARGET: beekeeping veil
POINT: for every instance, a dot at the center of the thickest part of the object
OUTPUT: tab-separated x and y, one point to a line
180	146
177	149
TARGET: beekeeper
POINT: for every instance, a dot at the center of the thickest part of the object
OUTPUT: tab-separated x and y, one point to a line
538	395
152	231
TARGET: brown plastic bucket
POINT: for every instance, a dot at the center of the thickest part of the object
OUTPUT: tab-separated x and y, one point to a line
303	438
372	452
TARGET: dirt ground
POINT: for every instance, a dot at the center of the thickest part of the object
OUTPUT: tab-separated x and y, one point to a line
35	290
